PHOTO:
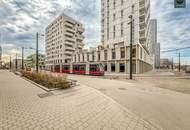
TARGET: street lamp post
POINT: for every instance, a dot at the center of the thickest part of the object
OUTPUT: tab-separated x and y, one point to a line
16	62
179	61
37	35
131	47
22	58
10	64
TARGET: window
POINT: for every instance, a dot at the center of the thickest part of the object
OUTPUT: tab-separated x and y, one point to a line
113	53
114	4
114	31
87	57
133	9
83	57
98	56
122	50
105	55
121	13
113	17
134	52
93	57
121	2
122	29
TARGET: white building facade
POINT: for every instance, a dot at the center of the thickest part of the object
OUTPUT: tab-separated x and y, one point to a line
154	46
115	28
63	36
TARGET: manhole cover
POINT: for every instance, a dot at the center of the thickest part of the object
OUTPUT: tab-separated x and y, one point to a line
102	89
43	95
122	88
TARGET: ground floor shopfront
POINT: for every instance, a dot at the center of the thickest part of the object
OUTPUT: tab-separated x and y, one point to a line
121	66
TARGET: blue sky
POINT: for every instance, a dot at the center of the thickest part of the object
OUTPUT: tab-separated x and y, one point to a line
21	19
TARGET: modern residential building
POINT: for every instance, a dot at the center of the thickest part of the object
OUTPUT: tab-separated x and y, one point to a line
157	56
115	35
115	28
114	52
153	45
63	36
30	62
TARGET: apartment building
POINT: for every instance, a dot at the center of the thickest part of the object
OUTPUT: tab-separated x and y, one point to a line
115	28
30	61
154	46
63	36
115	35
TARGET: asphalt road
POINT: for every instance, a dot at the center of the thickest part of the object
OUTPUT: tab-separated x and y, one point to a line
169	109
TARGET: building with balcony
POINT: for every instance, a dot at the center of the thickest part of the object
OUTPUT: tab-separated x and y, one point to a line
115	28
63	36
30	62
153	45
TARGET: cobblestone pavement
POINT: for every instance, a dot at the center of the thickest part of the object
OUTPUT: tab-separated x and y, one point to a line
78	108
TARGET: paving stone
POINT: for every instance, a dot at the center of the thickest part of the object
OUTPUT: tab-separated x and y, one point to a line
76	108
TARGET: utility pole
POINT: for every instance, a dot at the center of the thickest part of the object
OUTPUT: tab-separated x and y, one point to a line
16	62
22	58
179	62
131	47
172	63
10	64
37	52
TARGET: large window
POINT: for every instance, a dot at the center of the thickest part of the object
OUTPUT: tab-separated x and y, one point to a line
105	55
122	29
122	50
98	56
113	53
134	52
121	13
114	31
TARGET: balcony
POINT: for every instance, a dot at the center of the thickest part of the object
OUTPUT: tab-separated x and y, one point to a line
69	33
69	43
70	39
81	29
69	48
68	52
68	25
80	37
68	57
70	30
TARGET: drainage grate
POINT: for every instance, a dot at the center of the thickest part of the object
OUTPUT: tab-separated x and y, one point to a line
122	88
43	95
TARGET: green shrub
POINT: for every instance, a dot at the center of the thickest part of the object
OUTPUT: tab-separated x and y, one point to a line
47	80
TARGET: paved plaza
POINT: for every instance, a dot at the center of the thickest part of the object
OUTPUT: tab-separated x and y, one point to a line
147	98
78	108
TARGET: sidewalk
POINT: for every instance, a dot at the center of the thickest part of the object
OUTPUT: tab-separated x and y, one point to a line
77	108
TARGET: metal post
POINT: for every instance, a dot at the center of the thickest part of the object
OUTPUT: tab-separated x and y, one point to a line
22	58
179	62
172	63
16	62
10	64
131	47
37	51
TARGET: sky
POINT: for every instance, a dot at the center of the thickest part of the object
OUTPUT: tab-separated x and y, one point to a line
21	19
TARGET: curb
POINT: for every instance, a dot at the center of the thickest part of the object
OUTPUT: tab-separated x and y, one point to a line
38	85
